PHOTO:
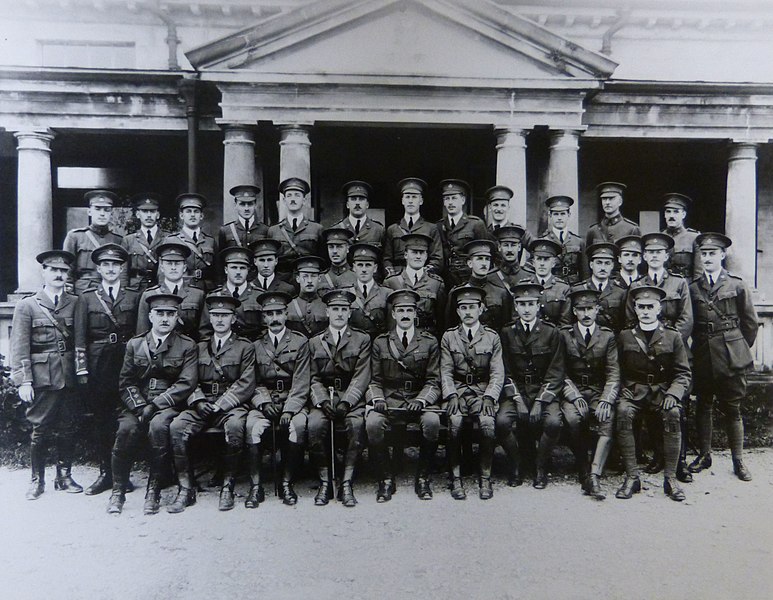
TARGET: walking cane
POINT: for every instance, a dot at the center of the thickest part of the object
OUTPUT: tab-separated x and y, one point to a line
331	392
273	459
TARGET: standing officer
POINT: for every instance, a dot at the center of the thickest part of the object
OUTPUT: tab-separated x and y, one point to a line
655	376
298	235
82	241
555	306
456	229
362	227
613	224
405	366
369	311
629	257
685	257
246	229
418	277
43	366
265	254
307	313
534	363
412	191
498	200
591	388
602	257
572	264
509	272
340	274
171	280
141	245
104	322
201	261
725	329
221	399
471	378
283	373
158	375
340	374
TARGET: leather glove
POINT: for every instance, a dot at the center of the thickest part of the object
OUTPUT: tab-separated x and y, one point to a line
415	406
26	393
603	412
271	410
203	408
147	412
582	407
342	408
522	409
327	408
83	379
380	406
535	415
487	410
284	420
454	405
669	402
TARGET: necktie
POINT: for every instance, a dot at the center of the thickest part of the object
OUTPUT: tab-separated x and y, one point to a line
655	279
415	279
175	290
56	299
542	282
496	226
410	222
295	224
236	293
158	343
452	223
357	227
195	238
601	287
364	291
247	225
405	339
265	283
276	341
150	238
110	293
561	236
711	281
338	338
526	328
219	344
587	337
469	335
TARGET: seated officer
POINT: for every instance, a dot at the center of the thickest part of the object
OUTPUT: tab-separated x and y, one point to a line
412	191
555	306
104	322
592	386
572	264
159	373
471	378
226	384
282	370
340	274
363	228
201	261
264	253
307	313
602	259
171	271
340	374
405	366
417	277
248	321
370	299
534	362
655	375
141	245
629	257
246	229
509	242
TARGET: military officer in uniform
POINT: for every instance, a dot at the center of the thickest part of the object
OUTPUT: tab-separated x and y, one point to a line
591	388
307	313
283	374
159	373
340	274
171	271
246	229
265	254
201	271
405	366
43	366
457	229
629	258
412	191
572	264
82	241
534	363
369	310
471	378
655	375
417	276
498	200
685	258
226	382
555	306
725	329
613	224
141	245
298	235
363	228
340	374
602	257
509	238
104	321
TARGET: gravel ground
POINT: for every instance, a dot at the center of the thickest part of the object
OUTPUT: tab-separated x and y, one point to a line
524	543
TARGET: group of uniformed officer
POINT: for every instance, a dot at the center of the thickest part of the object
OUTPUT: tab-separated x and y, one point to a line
299	328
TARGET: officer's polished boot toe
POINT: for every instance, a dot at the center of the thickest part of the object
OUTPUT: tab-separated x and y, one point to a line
324	493
65	483
102	483
255	497
289	497
115	504
423	489
540	479
347	494
152	501
515	479
593	487
35	490
457	489
741	470
384	493
701	462
630	486
226	501
672	490
682	472
185	497
485	491
656	465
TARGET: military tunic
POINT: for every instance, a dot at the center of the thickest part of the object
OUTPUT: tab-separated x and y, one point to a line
143	264
336	278
371	231
508	274
466	229
201	269
188	313
249	315
676	308
499	305
369	314
432	298
306	240
234	234
572	264
555	305
394	247
81	242
307	314
612	303
610	230
685	257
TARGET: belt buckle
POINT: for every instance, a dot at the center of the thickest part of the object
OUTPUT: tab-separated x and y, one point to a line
61	345
215	389
527	379
280	385
337	384
408	386
152	383
710	327
113	338
650	378
565	270
469	379
197	274
584	379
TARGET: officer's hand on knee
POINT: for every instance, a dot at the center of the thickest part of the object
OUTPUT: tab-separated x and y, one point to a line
203	408
487	410
582	407
271	410
328	409
147	412
415	406
26	393
380	406
603	411
535	414
285	419
342	408
669	402
454	406
521	409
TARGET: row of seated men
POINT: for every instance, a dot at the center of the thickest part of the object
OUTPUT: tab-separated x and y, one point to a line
524	379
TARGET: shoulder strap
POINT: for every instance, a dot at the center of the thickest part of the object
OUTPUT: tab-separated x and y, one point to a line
215	361
106	309
54	322
293	245
234	233
92	239
395	353
359	304
146	250
326	347
297	307
641	344
192	245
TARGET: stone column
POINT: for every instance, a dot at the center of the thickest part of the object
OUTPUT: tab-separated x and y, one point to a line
295	158
35	209
562	169
511	169
741	210
239	167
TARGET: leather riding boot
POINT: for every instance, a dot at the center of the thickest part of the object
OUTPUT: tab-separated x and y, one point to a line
231	464
186	493
325	491
256	495
485	458
186	496
103	482
293	455
454	452
153	491
64	481
510	446
422	484
704	420
117	499
380	456
347	494
38	453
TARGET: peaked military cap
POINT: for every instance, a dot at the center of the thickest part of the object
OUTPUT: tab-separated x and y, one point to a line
630	243
337	235
657	240
338	298
675	200
265	247
509	232
244	191
526	290
109	252
412	184
363	251
559	202
173	250
647	292
236	255
274	300
403	298
356	188
161	300
60	259
222	303
146	201
190	200
602	250
309	264
713	240
610	186
544	247
499	192
480	248
294	183
584	298
449	187
101	198
466	293
417	241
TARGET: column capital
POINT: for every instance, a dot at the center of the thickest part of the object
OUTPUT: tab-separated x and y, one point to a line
34	140
510	137
238	134
743	150
568	139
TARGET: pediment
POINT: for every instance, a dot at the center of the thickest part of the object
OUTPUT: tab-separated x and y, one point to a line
395	38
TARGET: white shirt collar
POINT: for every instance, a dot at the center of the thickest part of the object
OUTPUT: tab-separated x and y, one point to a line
557	233
353	221
116	286
596	283
531	324
660	274
221	338
268	280
649	327
170	285
584	329
334	332
278	337
158	340
300	218
153	230
474	330
412	273
51	294
409	333
190	232
244	222
241	289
